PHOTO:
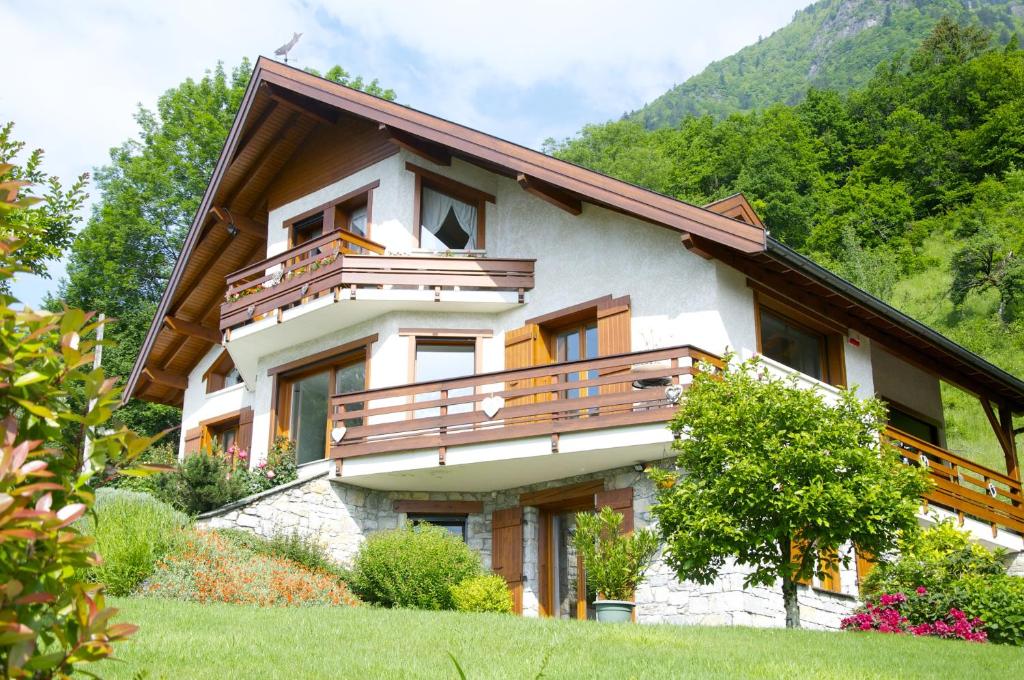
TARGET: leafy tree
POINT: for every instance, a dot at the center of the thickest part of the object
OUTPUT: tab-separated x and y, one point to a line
777	478
52	621
148	194
49	228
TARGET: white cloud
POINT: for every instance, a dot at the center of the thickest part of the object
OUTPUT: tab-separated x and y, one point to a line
82	68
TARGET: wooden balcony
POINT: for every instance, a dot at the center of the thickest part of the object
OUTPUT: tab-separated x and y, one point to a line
341	263
613	391
968	489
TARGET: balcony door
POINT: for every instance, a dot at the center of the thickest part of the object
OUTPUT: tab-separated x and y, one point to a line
441	359
304	403
577	342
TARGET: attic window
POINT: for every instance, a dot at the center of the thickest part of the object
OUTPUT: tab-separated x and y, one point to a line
351	212
449	215
222	374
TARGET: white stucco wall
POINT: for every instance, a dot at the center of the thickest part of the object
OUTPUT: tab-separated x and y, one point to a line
907	385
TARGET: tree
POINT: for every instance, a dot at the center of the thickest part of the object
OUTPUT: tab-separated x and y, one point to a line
52	621
50	226
777	478
148	194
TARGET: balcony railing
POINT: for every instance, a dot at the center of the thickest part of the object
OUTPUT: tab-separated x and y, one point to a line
341	263
963	486
624	389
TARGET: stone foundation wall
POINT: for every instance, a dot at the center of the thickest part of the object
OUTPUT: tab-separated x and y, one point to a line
341	516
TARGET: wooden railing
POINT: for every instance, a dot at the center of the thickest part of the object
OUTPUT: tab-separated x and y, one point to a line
624	389
963	486
337	263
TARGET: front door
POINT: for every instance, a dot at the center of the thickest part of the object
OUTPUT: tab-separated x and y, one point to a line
565	595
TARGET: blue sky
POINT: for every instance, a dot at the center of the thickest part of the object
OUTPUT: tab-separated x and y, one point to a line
523	70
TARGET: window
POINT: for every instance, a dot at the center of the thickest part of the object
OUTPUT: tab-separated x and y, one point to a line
222	374
440	359
788	343
351	213
449	215
223	436
455	524
806	343
904	421
575	343
304	396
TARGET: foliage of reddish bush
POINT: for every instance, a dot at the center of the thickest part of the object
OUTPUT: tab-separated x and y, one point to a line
887	617
211	568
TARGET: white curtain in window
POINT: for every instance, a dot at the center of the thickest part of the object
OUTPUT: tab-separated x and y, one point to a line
434	210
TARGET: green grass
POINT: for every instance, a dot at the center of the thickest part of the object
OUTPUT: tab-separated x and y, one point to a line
186	640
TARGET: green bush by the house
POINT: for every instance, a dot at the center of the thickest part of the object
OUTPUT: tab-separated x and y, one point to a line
945	570
484	593
133	532
413	567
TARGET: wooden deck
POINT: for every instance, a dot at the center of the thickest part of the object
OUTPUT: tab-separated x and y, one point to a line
966	488
340	263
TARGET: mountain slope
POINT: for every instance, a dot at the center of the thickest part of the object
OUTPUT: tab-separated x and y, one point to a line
834	44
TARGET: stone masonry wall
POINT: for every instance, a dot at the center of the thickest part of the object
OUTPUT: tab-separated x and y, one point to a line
341	516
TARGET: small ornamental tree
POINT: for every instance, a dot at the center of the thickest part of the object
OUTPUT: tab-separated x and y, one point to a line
775	477
52	620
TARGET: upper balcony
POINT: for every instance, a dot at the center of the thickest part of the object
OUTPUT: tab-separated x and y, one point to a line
340	279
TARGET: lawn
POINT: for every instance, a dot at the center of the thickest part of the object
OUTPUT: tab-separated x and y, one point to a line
185	640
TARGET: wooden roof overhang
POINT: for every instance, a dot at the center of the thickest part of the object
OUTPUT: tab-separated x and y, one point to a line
782	272
280	110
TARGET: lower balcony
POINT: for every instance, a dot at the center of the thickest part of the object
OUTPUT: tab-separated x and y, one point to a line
475	433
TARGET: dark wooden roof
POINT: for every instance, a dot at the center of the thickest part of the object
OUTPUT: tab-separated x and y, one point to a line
283	144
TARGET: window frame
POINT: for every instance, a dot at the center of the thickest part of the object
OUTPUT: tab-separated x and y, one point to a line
329	212
285	375
216	375
441	519
214	427
936	427
831	337
453	189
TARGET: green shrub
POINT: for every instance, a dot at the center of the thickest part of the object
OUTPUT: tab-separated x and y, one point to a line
163	453
204	481
279	467
133	531
485	593
413	567
998	601
953	573
294	547
209	567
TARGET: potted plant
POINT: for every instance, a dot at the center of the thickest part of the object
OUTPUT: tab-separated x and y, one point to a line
614	562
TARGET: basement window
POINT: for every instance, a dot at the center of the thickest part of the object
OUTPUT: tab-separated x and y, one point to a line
454	524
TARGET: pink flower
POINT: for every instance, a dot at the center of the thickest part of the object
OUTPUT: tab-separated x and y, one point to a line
921	590
262	464
270	474
243	454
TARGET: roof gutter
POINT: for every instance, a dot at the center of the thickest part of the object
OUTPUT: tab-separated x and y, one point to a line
806	266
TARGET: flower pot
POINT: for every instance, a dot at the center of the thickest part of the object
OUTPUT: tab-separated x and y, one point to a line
614	611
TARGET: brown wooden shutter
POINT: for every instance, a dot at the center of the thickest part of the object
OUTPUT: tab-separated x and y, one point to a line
507	551
797	551
619	500
245	429
526	346
193	440
830	567
865	563
614	337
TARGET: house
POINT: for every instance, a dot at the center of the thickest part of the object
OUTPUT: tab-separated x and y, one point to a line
456	329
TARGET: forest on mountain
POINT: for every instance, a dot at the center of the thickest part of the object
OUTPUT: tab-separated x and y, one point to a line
831	44
911	187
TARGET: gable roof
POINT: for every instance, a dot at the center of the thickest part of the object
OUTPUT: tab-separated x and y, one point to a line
285	108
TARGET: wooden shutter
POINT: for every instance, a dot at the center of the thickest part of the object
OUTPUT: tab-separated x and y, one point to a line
193	440
525	347
507	551
865	563
797	551
614	337
619	500
829	563
245	429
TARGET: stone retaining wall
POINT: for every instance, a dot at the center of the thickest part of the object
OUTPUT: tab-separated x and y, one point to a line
341	516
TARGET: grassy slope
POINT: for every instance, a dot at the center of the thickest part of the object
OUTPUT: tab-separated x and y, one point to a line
218	641
924	296
830	44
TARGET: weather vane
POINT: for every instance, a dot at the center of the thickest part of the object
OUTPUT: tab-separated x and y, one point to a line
283	50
